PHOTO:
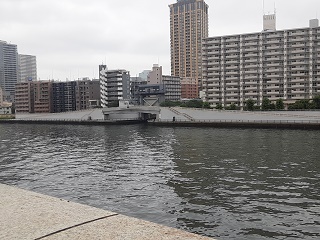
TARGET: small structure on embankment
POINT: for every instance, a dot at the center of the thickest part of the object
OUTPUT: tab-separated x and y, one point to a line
141	113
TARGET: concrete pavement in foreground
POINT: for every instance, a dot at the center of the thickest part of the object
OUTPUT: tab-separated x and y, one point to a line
28	215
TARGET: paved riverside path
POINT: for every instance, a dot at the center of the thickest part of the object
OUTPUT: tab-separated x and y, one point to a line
198	115
29	215
187	114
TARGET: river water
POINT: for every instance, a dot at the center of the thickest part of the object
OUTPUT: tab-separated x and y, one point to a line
222	183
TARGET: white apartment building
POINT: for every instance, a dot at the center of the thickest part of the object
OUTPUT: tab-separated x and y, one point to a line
274	64
114	85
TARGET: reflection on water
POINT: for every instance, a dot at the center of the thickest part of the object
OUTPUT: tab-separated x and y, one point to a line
224	183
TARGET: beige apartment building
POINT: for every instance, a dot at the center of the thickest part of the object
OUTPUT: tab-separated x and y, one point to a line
188	27
24	97
273	64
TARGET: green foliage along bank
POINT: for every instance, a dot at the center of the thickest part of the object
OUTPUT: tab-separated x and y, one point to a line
194	103
7	116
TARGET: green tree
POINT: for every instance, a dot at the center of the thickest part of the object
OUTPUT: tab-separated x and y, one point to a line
219	106
303	104
206	105
279	104
194	103
170	104
232	106
316	102
250	104
265	104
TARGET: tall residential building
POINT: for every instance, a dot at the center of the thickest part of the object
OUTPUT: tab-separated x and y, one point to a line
188	27
34	97
24	98
43	97
269	64
1	96
114	86
172	87
64	96
27	68
8	69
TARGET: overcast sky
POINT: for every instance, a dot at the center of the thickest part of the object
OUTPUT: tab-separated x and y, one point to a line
72	37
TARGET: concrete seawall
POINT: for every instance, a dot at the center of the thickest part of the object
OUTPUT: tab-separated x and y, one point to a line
240	124
71	122
215	124
29	215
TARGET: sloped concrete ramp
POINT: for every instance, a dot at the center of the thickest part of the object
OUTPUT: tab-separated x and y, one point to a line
29	215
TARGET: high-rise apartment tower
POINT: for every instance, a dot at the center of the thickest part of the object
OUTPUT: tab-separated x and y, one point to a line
8	69
27	68
188	26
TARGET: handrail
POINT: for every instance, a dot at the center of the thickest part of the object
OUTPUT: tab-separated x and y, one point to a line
241	121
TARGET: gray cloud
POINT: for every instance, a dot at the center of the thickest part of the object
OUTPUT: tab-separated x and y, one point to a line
72	37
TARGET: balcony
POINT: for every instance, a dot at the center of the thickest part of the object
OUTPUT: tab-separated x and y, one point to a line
272	42
256	77
298	81
232	84
251	44
297	51
232	51
250	71
251	55
251	88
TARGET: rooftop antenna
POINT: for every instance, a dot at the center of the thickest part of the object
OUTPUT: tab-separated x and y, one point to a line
263	6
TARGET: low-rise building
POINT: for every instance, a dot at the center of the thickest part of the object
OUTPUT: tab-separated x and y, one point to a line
87	91
155	88
172	84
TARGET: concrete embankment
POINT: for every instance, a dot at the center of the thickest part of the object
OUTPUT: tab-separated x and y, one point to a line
71	121
216	124
29	215
240	124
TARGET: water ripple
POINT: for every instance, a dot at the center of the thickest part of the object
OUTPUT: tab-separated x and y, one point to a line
228	184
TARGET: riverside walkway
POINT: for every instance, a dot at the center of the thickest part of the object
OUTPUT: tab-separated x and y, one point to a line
187	117
29	215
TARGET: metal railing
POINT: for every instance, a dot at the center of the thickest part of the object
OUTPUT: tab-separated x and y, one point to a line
240	121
